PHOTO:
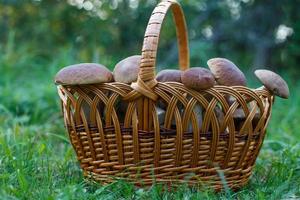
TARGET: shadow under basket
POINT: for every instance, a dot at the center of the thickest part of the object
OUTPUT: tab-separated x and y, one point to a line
117	134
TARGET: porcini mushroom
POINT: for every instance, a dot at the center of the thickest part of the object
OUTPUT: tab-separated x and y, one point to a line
83	73
219	114
257	116
226	72
121	109
198	113
169	75
239	118
273	82
197	78
161	115
126	71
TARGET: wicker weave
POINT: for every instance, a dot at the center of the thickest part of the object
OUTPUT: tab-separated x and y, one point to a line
136	147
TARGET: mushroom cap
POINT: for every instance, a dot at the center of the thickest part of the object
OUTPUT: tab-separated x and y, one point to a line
127	70
273	82
169	75
226	72
83	73
198	78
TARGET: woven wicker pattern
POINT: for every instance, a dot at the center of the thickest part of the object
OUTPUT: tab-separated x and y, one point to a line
135	146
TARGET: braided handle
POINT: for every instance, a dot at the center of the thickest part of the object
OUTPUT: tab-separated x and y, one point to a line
146	79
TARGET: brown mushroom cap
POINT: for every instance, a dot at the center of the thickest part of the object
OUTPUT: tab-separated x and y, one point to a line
198	78
127	70
226	72
169	75
273	82
83	73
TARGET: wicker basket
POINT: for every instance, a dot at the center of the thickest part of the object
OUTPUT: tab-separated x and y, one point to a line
137	148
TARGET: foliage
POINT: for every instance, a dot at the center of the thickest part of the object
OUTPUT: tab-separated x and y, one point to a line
245	31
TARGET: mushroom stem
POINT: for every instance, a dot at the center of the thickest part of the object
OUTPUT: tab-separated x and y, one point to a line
161	115
261	88
198	112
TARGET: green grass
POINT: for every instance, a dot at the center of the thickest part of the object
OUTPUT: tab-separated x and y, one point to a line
37	161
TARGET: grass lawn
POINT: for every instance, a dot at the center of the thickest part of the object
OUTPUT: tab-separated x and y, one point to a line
37	161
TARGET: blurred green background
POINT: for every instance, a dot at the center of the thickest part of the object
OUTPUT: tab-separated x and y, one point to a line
251	33
39	37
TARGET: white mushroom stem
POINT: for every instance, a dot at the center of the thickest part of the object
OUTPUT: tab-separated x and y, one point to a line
219	114
261	88
87	108
161	115
198	112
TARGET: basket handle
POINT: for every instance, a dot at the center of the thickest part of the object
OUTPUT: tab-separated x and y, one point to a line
146	78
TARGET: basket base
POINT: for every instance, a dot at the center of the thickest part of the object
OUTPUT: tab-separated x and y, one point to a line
214	183
215	174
